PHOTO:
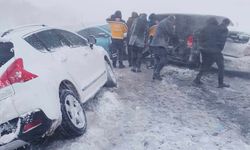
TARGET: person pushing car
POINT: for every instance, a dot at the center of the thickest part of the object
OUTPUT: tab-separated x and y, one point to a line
165	31
212	40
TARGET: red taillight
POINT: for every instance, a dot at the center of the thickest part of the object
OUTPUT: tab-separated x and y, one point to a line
190	41
15	73
32	125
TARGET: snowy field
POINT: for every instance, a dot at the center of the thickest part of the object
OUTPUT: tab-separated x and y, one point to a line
142	114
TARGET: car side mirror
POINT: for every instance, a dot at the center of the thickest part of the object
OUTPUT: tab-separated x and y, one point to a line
91	41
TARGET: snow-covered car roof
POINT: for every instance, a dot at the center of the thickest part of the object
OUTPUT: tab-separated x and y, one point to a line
23	30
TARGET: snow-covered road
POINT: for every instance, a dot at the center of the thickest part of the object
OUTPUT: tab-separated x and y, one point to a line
169	115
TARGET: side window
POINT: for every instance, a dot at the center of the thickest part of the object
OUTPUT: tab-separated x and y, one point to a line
6	52
74	40
84	33
51	39
35	42
96	32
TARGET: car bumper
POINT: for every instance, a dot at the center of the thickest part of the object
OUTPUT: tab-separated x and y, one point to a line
24	129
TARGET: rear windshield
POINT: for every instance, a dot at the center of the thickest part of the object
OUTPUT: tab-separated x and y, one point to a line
6	52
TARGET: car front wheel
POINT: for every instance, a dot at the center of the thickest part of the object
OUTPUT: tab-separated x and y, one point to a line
74	122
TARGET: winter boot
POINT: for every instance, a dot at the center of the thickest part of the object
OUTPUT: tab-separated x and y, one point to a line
121	65
114	64
138	70
223	85
133	69
157	77
197	81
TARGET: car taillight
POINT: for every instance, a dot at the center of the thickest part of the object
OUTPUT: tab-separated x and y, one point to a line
190	41
15	73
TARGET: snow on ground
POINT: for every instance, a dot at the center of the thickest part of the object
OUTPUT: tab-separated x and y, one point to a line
173	114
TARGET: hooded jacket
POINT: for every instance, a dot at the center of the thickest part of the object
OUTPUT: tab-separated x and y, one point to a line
164	31
139	31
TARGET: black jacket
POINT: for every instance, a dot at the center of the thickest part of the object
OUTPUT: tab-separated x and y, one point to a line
129	25
223	33
210	39
139	32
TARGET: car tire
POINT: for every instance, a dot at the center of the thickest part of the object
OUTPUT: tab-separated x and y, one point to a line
74	121
111	81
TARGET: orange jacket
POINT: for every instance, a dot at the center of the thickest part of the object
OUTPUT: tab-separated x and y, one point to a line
118	29
152	31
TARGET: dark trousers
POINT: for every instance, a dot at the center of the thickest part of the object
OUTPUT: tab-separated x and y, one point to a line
151	52
208	59
117	45
130	55
160	57
136	56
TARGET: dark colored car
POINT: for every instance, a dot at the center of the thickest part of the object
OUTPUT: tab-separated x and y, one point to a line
184	48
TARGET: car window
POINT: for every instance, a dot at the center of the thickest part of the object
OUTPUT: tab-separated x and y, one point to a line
74	40
51	39
6	52
106	27
84	33
96	32
35	42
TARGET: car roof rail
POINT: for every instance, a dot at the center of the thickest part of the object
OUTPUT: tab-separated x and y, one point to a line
21	27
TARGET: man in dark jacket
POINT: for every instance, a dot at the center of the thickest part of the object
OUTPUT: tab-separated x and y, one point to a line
129	24
137	41
164	32
223	33
212	41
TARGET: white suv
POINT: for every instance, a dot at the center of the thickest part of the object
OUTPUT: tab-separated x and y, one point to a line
45	75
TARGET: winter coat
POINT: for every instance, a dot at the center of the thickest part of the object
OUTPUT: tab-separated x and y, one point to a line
129	25
209	38
118	29
223	33
138	32
164	32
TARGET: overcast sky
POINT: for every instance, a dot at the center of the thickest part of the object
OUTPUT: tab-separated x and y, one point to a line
72	12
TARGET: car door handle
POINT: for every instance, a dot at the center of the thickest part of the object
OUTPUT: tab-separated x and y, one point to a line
86	54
